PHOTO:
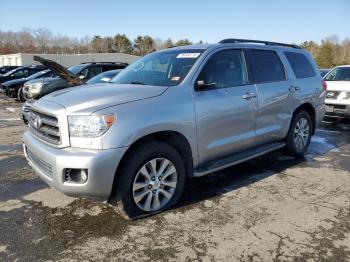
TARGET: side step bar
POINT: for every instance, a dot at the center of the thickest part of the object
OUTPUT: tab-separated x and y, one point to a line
236	159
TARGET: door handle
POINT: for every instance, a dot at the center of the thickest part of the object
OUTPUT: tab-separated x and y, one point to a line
294	88
248	96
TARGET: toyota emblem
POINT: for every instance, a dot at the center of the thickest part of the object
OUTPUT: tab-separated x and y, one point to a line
36	121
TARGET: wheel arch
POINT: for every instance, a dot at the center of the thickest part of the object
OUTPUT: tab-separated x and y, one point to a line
310	110
175	139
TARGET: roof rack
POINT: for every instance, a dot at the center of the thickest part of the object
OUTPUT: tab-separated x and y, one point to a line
237	41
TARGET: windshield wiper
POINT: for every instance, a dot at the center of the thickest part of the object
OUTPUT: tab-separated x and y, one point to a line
137	83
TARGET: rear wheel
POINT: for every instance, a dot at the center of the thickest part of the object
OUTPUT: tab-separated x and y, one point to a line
299	134
151	180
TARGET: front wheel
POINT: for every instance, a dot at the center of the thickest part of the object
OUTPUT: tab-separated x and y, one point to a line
299	134
151	180
20	95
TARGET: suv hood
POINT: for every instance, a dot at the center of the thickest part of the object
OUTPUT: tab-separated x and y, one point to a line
87	99
42	80
338	86
15	82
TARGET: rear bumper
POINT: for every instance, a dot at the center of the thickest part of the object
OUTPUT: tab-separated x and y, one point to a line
50	164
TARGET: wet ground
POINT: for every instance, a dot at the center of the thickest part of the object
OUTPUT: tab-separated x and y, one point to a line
274	208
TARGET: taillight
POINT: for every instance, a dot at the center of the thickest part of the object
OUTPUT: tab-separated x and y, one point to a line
324	85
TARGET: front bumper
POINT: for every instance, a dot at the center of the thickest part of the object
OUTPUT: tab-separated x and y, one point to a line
337	110
50	163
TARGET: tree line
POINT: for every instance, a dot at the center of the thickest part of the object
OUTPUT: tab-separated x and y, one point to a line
328	53
44	41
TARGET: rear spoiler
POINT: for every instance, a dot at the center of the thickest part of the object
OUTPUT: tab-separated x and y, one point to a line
62	72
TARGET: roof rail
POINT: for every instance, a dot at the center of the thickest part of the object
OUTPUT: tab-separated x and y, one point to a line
117	63
237	41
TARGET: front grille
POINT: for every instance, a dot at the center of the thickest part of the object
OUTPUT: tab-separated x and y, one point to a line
343	107
27	108
332	94
45	127
44	166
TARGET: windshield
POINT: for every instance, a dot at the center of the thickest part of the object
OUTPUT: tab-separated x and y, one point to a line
76	69
339	74
11	72
167	68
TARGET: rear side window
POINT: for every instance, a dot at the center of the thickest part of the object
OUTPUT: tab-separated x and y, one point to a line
267	66
300	64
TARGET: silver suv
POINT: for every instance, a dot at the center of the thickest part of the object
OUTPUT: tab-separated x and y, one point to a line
174	114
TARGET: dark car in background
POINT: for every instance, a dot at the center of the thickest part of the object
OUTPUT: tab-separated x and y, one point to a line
5	69
13	88
323	71
21	72
104	77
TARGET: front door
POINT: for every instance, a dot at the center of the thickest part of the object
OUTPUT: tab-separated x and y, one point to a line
225	106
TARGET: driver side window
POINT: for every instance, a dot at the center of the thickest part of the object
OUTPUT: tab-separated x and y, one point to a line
225	69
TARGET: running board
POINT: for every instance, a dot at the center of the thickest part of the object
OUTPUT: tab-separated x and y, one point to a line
236	159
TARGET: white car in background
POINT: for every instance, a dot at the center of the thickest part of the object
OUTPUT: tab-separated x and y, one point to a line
338	92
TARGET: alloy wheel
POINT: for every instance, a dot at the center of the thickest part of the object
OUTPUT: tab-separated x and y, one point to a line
301	133
154	184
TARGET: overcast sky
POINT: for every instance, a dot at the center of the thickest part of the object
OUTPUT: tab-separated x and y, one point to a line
286	21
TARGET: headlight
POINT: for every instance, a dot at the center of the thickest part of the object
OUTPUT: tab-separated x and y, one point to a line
35	88
90	126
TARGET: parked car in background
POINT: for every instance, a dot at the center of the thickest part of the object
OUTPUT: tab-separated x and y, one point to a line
21	72
13	88
176	113
74	76
323	71
82	72
338	92
104	77
5	69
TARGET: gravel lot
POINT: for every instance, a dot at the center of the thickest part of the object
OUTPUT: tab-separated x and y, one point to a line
271	208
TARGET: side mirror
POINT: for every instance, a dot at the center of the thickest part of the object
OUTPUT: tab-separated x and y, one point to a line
202	85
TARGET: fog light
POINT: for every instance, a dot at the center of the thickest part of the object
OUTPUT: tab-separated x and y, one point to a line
76	175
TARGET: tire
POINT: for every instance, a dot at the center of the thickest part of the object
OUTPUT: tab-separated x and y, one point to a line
133	173
296	146
20	95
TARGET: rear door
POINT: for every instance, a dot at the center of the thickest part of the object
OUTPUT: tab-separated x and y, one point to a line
274	96
226	110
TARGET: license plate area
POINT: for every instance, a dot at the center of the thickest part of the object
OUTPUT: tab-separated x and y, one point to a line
329	109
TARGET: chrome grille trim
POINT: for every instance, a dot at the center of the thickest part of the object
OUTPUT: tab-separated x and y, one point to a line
27	108
41	164
48	130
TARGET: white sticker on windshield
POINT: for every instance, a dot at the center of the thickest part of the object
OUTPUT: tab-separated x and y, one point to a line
105	79
188	55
